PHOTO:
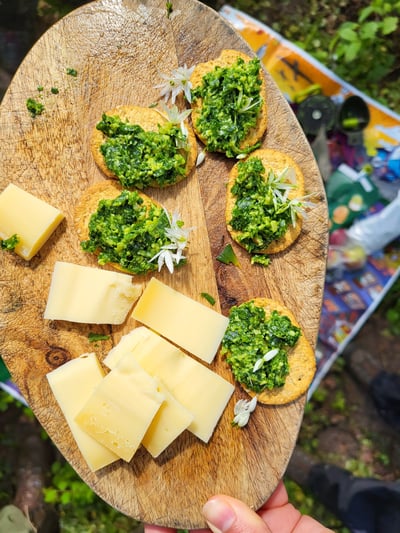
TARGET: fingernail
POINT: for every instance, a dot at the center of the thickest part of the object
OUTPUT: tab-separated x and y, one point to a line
219	515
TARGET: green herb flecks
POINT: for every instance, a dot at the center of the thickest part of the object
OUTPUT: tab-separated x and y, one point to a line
231	103
210	299
170	8
126	231
260	259
10	243
228	256
142	158
72	72
256	347
96	337
34	107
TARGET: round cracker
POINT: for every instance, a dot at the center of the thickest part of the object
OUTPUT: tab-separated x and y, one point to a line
226	59
302	364
277	161
88	204
149	119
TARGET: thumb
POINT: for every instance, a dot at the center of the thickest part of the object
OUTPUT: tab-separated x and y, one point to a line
225	514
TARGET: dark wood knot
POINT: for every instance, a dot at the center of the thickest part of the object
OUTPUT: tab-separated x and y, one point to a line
57	356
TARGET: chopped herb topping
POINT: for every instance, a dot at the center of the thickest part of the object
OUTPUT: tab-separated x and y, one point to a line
54	90
256	346
260	259
169	7
95	337
263	211
210	299
126	231
72	72
10	243
228	256
34	107
231	103
141	158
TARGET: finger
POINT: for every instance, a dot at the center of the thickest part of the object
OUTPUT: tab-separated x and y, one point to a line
278	498
225	514
288	519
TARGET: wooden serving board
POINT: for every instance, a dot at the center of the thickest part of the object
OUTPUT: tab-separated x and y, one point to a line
119	48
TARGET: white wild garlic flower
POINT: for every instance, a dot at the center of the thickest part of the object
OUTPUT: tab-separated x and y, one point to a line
243	410
176	83
172	254
281	184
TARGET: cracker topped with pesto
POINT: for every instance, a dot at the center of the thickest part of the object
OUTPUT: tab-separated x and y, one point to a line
128	230
229	111
268	352
265	202
141	147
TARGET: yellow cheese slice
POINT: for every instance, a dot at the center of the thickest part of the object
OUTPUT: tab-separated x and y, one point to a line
187	323
200	390
90	295
126	344
121	408
28	217
169	422
72	384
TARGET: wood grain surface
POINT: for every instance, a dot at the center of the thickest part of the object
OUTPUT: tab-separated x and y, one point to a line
119	48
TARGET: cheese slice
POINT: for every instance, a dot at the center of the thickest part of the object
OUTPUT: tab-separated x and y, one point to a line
169	422
126	344
72	384
90	295
121	408
187	323
200	390
28	217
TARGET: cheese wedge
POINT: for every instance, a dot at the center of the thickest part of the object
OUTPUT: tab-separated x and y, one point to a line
184	321
28	217
72	384
121	408
90	295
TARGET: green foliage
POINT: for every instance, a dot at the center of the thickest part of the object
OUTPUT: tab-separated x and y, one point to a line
356	40
359	468
305	502
80	509
392	313
339	402
5	401
362	49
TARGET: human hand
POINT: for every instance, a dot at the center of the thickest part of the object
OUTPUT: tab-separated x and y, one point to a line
225	514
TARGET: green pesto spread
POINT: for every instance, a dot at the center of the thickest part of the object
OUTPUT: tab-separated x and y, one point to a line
125	231
10	243
34	107
231	103
262	213
249	337
142	158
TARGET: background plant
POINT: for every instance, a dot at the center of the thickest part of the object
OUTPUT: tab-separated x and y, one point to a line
356	39
79	508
